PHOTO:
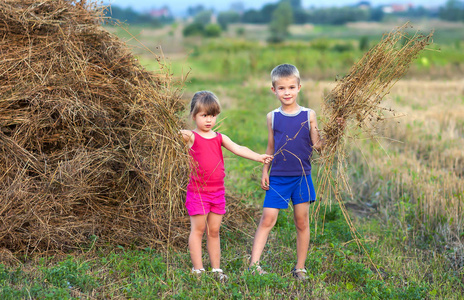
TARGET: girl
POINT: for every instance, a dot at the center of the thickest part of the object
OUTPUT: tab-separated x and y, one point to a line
205	201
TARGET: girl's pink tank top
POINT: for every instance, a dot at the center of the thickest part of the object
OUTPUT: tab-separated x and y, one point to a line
207	164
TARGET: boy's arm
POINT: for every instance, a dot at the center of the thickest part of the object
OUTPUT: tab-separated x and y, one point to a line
269	150
314	131
244	151
318	143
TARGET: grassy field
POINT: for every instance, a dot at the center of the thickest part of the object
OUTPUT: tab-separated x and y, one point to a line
408	193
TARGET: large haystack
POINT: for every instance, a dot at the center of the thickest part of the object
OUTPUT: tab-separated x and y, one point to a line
88	138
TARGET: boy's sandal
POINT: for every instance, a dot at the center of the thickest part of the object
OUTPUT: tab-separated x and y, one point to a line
299	274
257	270
220	275
197	271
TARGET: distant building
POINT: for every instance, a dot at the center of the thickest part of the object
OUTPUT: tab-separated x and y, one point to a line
161	12
397	8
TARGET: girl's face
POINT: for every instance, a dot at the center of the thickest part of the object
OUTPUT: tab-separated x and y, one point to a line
204	122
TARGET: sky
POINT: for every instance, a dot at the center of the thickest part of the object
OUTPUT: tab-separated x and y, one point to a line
179	7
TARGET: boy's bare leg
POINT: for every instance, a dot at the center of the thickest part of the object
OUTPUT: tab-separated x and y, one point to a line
213	241
301	217
198	225
268	220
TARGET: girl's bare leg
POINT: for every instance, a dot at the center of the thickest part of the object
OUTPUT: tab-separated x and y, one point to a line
198	225
213	241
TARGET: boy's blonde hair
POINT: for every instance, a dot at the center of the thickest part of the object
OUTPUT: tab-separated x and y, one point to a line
207	101
284	70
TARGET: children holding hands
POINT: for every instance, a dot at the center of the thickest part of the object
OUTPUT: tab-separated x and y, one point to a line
205	201
286	175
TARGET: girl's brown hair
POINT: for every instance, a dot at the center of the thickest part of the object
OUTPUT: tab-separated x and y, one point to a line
207	101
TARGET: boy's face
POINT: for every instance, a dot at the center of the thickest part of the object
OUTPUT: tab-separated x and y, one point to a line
286	90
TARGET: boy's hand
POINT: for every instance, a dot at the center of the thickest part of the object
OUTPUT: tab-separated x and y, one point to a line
341	122
265	158
265	182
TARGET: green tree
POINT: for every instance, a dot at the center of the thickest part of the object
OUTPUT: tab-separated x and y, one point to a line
227	17
212	30
193	29
452	11
267	12
203	17
296	4
300	16
282	17
253	16
376	14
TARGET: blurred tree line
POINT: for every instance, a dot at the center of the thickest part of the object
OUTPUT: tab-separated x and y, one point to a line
154	18
202	25
280	15
333	15
452	11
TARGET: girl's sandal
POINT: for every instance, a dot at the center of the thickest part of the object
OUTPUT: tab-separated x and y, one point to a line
220	275
300	274
198	272
257	270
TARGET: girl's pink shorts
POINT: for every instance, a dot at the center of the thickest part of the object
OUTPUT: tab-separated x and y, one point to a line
204	202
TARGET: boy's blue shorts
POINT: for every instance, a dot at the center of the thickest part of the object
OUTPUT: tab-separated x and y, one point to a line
282	189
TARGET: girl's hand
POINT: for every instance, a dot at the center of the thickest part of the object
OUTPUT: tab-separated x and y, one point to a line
188	137
265	158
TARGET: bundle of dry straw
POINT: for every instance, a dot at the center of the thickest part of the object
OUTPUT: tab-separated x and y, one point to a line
89	140
356	98
358	95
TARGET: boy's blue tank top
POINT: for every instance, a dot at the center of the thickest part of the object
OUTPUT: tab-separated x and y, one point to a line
292	143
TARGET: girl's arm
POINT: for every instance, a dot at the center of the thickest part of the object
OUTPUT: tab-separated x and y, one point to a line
188	137
244	151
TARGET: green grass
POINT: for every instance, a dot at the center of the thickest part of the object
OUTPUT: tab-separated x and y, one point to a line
337	270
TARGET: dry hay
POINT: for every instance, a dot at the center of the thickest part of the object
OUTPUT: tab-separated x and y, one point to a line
356	98
89	140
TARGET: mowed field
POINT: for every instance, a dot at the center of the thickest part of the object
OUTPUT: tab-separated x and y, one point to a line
406	181
407	192
408	177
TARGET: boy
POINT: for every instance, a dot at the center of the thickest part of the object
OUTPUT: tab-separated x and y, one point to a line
292	135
